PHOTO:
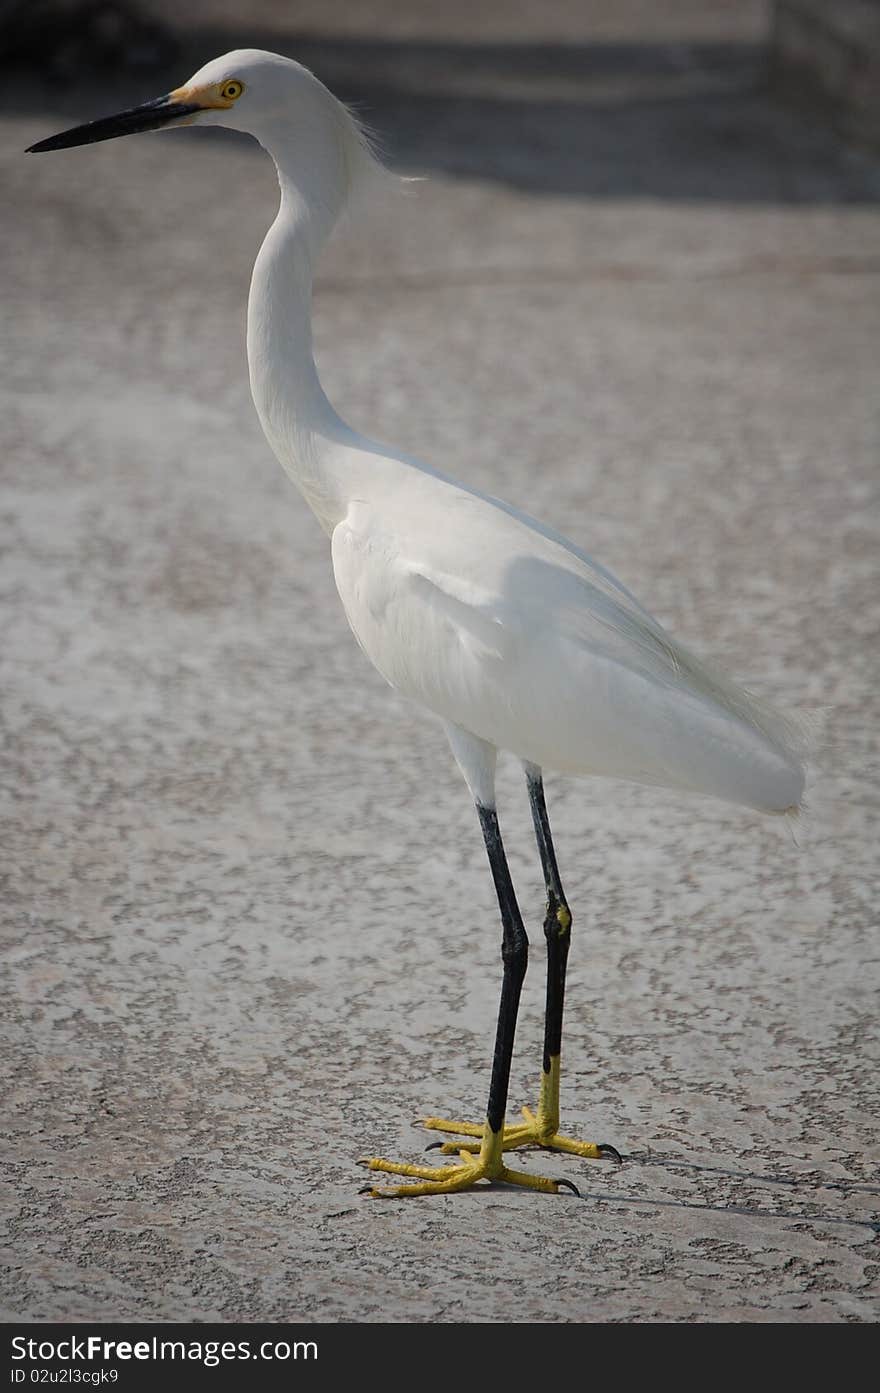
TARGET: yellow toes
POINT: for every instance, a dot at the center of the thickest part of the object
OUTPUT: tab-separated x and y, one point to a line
470	1170
513	1137
376	1163
459	1178
447	1180
480	1157
535	1130
436	1180
545	1135
574	1148
535	1182
442	1124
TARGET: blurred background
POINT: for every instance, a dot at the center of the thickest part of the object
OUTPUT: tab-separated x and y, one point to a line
434	77
250	932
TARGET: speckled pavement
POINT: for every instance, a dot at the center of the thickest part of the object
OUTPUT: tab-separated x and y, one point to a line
249	933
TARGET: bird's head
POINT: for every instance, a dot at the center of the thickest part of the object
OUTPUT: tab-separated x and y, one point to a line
315	140
247	90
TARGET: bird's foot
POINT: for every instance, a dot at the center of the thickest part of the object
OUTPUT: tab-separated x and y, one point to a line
481	1161
535	1130
540	1128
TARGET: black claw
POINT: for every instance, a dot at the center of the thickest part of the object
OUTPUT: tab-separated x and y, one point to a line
567	1184
610	1151
435	1145
366	1189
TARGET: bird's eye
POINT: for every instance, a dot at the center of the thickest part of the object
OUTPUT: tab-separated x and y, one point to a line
231	91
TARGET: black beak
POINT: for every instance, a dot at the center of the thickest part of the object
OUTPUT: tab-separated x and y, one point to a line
149	117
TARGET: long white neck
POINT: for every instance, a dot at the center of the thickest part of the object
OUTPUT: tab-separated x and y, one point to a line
304	431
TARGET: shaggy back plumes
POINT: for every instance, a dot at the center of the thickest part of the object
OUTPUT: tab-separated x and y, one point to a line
367	175
349	181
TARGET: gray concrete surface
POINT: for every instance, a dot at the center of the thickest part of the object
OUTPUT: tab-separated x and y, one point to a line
249	931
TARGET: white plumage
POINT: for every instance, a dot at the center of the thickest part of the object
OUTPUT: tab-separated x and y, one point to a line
493	621
474	611
510	634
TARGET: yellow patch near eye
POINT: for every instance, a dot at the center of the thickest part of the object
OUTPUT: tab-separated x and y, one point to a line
216	98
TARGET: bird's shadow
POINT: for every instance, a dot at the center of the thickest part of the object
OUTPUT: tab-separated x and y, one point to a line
749	1211
752	1211
847	1187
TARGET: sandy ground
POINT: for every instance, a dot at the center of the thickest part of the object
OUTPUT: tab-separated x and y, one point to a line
249	932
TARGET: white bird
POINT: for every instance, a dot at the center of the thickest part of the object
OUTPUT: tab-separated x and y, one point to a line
508	632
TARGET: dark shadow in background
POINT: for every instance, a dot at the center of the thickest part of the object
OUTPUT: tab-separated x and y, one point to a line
601	120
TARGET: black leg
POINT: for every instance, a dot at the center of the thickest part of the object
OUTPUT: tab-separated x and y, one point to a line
557	931
484	1158
515	956
557	923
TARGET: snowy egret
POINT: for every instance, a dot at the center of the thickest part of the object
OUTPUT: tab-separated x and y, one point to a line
510	634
